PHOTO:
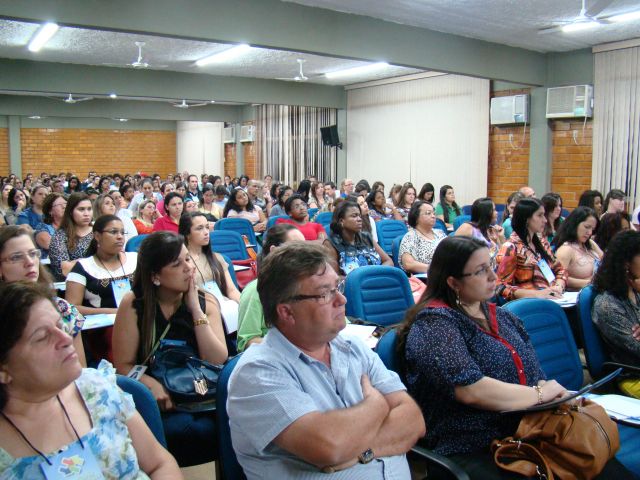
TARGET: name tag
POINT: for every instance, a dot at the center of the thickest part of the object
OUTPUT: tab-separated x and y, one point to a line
137	371
120	288
546	270
73	463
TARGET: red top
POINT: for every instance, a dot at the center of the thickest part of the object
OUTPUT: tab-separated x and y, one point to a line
165	223
310	230
141	228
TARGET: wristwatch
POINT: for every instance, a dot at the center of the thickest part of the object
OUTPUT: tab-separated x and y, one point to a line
366	456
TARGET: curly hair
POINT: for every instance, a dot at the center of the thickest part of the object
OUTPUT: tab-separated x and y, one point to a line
610	224
613	275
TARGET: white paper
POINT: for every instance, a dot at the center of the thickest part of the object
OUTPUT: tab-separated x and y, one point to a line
363	332
240	268
619	407
569	299
99	320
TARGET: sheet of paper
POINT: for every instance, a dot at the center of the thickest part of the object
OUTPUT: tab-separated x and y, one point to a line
240	268
363	332
569	299
100	320
619	407
60	286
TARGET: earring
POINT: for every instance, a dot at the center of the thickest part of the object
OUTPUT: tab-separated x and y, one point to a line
156	282
458	303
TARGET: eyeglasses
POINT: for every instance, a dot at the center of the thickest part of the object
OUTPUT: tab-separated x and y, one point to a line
298	206
115	231
324	298
484	270
20	257
63	205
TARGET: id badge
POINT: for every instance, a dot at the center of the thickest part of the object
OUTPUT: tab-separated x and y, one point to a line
213	288
546	270
137	371
120	287
350	264
73	463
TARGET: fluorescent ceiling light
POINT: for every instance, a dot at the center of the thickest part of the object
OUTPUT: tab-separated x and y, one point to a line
113	95
578	26
42	36
625	17
224	56
35	117
350	72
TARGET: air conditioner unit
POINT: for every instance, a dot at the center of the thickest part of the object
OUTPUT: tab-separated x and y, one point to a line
509	110
572	101
247	133
229	135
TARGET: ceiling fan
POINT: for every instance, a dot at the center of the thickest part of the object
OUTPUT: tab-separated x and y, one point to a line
300	77
139	63
71	99
185	104
586	17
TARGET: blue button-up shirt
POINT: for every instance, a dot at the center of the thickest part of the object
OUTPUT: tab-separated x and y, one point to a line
275	383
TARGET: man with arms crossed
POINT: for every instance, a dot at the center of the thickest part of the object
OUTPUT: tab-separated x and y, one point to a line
306	402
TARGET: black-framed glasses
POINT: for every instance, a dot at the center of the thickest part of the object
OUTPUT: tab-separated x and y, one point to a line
115	231
323	298
20	257
484	270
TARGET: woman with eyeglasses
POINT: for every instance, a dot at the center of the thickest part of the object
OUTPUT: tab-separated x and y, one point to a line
97	283
52	212
71	241
165	298
456	365
348	246
20	262
526	265
296	208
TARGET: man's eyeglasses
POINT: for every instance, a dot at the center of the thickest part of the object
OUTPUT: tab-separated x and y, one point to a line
20	257
322	299
484	270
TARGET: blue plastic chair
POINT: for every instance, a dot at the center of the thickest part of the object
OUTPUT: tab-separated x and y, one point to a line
440	225
551	336
232	272
386	350
229	243
133	245
500	210
395	250
594	349
230	469
272	220
145	404
326	225
240	225
387	231
378	294
460	220
466	210
311	212
565	213
324	217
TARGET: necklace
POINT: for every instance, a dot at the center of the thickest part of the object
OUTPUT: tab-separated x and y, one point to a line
105	282
429	236
24	437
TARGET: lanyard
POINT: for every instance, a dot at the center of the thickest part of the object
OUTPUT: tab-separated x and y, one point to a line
155	347
24	437
124	274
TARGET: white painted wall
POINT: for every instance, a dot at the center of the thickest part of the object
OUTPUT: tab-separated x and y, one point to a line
425	130
200	148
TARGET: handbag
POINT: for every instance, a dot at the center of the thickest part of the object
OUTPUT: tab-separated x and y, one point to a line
246	276
571	441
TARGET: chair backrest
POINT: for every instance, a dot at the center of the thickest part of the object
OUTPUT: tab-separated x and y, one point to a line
311	212
500	210
230	468
440	225
387	231
386	349
272	220
229	243
145	404
325	225
395	250
324	217
240	225
565	213
551	336
232	271
133	245
466	210
594	349
460	220
378	293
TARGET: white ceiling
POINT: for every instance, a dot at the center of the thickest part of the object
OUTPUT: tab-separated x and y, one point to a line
509	22
96	47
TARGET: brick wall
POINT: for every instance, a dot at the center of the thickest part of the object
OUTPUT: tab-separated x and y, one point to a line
230	165
572	154
4	151
508	165
250	161
105	151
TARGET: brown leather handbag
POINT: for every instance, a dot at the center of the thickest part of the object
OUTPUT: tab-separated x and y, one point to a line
571	441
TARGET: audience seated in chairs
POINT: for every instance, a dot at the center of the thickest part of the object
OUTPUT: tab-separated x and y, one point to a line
52	213
526	265
239	205
482	226
147	215
284	192
456	365
296	208
576	249
348	246
406	197
251	325
165	295
447	209
173	208
418	245
68	409
362	424
616	308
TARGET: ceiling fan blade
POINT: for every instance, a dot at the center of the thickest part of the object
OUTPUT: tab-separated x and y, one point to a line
554	29
598	7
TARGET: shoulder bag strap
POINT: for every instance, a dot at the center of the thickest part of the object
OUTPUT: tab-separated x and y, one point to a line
526	459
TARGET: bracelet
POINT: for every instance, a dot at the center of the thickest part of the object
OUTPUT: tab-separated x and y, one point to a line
201	321
538	389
